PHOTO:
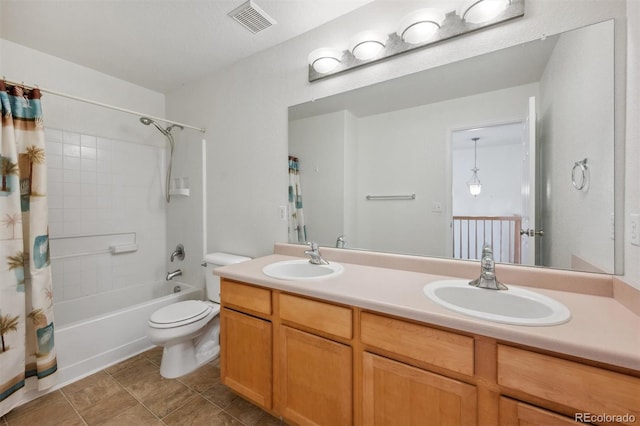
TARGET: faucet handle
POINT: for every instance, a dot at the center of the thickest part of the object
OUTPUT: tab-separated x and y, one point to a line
314	246
179	253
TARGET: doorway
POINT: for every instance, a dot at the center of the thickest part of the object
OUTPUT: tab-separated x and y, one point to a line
490	181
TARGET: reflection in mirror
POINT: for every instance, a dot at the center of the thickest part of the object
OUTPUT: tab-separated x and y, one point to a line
537	109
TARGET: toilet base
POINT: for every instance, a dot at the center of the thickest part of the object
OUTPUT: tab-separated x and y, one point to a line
183	358
180	358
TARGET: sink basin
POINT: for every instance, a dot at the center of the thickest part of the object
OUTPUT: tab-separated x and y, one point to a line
513	306
301	270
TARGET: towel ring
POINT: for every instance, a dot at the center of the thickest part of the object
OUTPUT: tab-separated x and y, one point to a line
583	175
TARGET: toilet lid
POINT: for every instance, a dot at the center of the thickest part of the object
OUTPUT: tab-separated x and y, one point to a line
180	313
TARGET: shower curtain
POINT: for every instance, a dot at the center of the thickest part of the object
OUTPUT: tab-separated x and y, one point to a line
27	353
297	230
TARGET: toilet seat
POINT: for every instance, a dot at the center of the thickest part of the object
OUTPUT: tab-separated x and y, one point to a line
182	313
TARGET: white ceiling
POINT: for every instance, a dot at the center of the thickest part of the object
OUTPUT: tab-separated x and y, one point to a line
158	44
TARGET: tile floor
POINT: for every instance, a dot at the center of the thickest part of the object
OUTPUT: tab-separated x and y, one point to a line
133	393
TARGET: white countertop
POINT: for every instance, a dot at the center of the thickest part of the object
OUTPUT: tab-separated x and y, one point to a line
600	328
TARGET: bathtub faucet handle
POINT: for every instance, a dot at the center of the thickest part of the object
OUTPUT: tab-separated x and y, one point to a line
179	253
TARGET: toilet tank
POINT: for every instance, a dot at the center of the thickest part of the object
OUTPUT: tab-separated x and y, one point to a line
215	260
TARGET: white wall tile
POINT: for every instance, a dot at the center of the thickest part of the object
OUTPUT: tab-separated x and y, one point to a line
88	152
88	164
71	163
53	148
102	186
71	138
54	162
88	141
53	135
70	150
71	176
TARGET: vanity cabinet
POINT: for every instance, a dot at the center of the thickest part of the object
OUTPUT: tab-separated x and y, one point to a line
395	392
246	342
315	361
574	387
398	394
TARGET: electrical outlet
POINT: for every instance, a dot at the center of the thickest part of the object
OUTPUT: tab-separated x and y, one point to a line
437	207
634	232
283	213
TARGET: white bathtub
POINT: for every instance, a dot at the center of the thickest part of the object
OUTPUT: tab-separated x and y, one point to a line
94	332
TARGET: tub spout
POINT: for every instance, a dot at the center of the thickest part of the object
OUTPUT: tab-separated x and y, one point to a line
173	274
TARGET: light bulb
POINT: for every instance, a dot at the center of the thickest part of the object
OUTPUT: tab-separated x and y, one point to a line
476	12
367	44
421	25
324	59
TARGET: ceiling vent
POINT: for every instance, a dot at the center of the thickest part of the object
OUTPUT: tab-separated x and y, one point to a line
250	16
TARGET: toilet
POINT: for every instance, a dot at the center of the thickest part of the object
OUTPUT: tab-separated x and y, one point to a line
189	330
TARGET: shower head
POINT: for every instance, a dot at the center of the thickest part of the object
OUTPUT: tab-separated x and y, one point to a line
167	133
174	125
146	121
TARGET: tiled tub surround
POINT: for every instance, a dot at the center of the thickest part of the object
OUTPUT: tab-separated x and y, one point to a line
105	192
104	187
601	328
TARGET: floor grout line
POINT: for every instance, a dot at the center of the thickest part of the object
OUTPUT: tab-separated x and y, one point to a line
72	406
211	408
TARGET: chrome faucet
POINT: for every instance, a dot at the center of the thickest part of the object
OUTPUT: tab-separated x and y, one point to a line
487	277
179	253
173	274
314	253
340	242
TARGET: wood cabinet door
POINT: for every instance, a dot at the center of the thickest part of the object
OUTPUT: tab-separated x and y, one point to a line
516	413
246	360
315	379
399	394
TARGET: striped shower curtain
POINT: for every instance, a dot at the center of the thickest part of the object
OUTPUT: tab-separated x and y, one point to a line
27	353
297	230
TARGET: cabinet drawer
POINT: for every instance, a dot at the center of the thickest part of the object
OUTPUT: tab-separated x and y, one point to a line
430	345
515	413
325	317
254	299
578	386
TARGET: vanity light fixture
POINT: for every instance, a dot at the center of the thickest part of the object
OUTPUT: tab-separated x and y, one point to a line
474	183
324	59
419	29
420	25
479	11
367	44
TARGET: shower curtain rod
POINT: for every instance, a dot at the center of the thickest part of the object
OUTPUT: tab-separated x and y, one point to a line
89	101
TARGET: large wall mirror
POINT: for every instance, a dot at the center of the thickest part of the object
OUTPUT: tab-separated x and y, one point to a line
390	167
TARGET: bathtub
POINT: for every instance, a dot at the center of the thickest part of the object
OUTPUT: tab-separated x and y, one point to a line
94	332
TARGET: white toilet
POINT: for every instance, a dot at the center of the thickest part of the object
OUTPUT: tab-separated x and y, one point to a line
190	330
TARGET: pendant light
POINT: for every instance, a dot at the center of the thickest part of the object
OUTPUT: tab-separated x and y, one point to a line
474	183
